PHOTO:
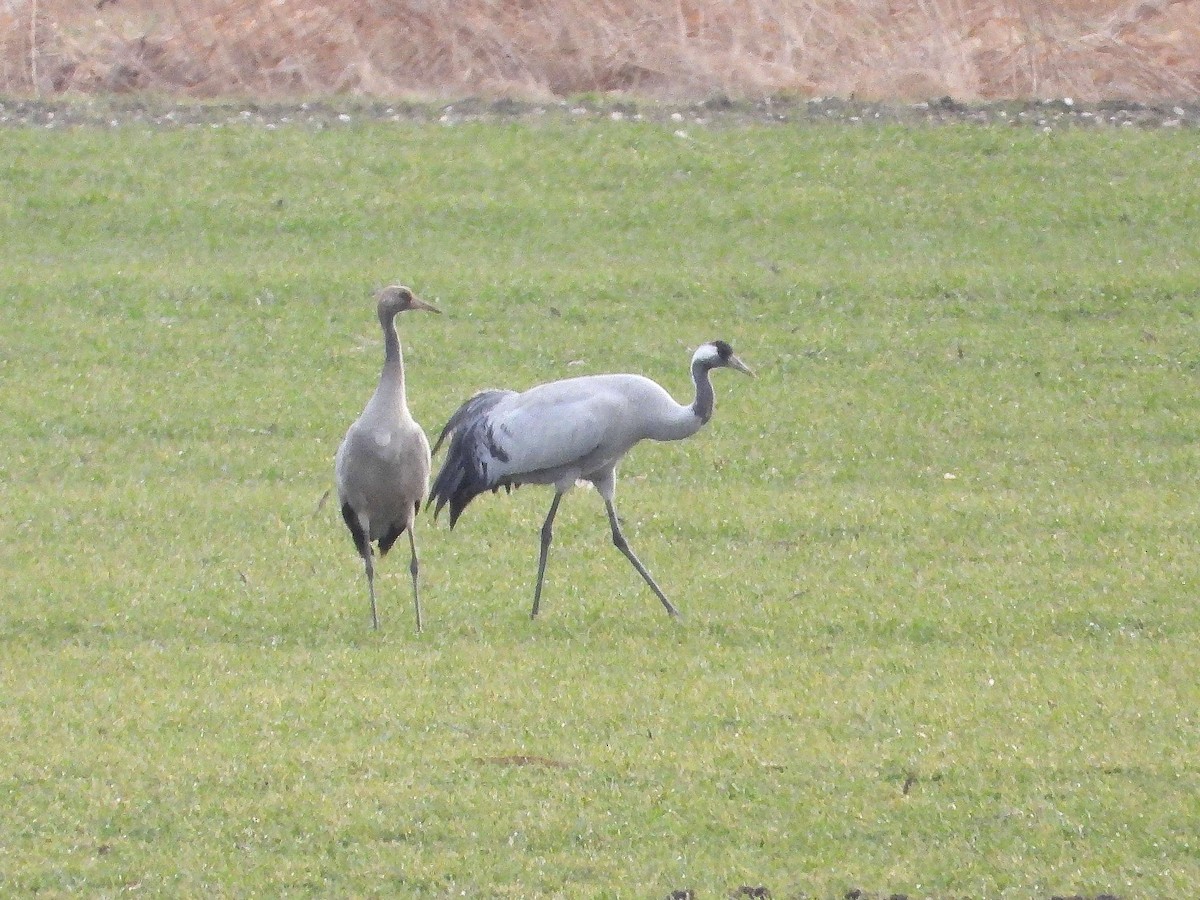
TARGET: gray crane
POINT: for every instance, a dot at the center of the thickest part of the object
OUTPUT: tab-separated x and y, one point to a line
382	465
564	431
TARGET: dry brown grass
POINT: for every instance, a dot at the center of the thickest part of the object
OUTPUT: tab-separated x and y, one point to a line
901	49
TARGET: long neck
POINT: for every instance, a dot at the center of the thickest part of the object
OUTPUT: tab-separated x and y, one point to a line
674	421
392	377
702	406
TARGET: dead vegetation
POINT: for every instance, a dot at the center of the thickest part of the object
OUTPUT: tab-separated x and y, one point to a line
1147	50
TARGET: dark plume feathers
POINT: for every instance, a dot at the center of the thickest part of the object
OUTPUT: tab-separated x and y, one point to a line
475	407
463	475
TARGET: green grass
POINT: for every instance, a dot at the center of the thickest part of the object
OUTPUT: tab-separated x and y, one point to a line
938	564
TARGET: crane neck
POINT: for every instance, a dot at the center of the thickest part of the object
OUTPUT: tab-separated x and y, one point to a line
702	406
392	377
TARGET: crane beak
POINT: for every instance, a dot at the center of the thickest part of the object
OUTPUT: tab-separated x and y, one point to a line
735	363
418	303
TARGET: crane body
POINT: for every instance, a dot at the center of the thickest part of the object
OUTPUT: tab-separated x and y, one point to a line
382	465
565	431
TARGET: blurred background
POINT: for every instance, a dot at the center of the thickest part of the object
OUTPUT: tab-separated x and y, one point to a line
1143	51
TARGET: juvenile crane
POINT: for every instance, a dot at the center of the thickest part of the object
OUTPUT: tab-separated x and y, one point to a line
382	465
565	431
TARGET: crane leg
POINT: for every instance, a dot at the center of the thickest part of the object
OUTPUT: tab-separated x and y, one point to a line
623	546
547	534
414	567
369	562
360	533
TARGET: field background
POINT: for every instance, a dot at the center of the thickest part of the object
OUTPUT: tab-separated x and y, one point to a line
937	563
1136	50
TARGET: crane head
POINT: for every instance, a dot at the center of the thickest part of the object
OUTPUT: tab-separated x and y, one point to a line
397	298
719	354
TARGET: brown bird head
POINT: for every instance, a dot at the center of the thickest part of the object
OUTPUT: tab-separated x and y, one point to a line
397	298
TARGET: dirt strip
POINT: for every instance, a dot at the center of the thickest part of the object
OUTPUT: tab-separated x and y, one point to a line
1044	115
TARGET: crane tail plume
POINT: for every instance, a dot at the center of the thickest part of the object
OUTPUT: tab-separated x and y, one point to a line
463	475
471	411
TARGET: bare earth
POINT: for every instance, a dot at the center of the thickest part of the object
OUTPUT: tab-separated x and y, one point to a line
342	112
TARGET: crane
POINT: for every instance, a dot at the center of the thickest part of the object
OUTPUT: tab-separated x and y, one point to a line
382	465
565	431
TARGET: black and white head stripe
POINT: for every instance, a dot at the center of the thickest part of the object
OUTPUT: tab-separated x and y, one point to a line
723	350
714	353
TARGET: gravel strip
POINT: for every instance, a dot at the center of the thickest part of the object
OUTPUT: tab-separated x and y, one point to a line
1047	115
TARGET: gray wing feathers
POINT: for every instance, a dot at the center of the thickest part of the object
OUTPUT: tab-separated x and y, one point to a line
541	436
564	429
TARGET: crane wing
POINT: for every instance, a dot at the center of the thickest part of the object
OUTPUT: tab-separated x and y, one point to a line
502	438
550	428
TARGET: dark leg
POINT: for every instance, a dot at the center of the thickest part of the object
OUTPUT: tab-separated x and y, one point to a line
362	543
414	567
370	564
547	534
623	546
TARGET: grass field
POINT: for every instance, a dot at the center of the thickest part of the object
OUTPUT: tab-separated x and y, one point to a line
937	564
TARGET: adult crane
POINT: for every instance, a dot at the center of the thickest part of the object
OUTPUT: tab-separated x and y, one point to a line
382	465
565	431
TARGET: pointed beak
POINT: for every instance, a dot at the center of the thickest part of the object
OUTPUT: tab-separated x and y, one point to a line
735	363
418	303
